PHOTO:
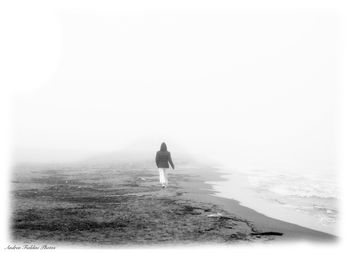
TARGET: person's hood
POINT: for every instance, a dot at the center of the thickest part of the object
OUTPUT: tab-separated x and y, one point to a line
163	147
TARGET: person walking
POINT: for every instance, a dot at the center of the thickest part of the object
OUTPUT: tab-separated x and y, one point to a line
163	158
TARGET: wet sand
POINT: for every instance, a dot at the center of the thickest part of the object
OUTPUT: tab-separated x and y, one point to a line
123	204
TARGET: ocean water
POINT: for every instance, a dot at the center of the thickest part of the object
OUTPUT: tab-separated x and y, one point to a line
306	198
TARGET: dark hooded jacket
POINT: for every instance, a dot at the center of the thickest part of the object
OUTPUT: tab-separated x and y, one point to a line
163	157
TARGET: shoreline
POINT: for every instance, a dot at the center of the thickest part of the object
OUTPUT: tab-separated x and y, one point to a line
233	182
261	221
124	205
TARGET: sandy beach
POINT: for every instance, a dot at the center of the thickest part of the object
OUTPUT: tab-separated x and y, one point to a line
123	204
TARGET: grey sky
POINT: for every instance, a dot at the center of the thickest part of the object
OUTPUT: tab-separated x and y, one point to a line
253	88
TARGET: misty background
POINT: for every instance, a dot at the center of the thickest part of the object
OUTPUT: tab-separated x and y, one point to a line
247	89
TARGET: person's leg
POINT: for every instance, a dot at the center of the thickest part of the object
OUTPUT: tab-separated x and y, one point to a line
161	176
166	177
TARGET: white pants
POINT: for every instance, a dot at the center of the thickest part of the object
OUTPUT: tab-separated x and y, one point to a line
163	176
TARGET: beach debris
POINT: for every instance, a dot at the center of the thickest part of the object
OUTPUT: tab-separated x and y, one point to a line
223	218
238	236
268	233
215	215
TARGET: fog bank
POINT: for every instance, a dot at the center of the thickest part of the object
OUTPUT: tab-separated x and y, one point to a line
247	89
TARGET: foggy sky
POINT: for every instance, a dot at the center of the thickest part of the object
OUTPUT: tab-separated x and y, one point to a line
250	89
